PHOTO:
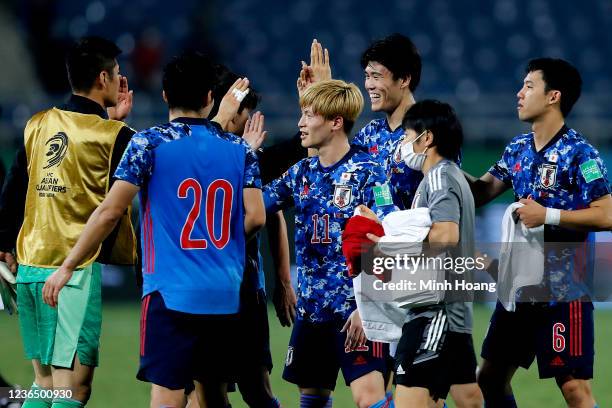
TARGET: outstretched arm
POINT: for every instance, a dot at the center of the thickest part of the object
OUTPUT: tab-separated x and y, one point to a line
486	188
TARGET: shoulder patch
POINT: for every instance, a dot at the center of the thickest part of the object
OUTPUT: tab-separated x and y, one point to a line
590	170
382	195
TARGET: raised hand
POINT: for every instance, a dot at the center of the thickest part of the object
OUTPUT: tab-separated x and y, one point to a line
320	69
125	101
254	133
229	105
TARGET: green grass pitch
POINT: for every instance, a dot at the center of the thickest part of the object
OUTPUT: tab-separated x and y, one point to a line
115	384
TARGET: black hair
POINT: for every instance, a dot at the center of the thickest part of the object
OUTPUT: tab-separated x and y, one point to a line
439	118
187	79
87	58
559	75
224	79
399	55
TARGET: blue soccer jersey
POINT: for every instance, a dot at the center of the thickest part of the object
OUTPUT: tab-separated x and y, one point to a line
324	200
567	174
191	176
384	145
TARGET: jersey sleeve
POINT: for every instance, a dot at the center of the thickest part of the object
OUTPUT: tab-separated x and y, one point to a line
502	169
136	164
252	178
442	197
590	175
377	193
278	194
359	139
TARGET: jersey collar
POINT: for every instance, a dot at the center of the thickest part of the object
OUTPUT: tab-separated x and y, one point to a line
340	162
564	129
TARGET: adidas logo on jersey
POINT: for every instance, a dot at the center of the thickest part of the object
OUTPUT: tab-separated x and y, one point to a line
557	362
400	370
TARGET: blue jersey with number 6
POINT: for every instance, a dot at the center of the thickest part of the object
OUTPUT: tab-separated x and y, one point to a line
192	176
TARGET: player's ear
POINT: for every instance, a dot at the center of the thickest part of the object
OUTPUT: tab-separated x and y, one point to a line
338	123
554	97
209	98
405	82
429	138
164	97
101	80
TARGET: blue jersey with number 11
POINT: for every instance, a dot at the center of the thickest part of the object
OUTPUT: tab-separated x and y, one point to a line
191	177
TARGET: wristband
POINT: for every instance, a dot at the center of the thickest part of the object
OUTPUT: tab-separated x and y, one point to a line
553	216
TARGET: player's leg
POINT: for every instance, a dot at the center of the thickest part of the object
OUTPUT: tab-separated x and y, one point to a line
417	397
369	390
465	390
312	363
254	380
77	338
565	350
42	380
467	395
577	392
37	339
211	393
162	397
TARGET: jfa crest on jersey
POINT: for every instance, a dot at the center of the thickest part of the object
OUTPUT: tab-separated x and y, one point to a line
567	174
324	200
548	175
384	145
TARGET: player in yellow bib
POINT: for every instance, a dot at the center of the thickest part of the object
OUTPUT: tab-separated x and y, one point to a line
57	180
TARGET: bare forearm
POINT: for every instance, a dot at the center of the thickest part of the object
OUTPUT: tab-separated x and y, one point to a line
484	189
588	219
100	224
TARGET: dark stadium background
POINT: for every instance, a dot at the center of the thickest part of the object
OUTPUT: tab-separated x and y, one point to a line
474	53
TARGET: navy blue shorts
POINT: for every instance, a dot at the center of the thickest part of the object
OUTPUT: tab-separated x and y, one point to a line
255	327
176	347
561	336
431	356
316	353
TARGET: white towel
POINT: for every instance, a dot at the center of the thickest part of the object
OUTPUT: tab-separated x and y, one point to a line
383	320
521	258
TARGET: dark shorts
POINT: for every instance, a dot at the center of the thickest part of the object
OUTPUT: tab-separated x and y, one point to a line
255	327
176	347
316	352
561	336
430	356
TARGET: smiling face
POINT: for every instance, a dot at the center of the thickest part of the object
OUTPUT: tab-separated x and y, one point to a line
533	99
384	91
315	130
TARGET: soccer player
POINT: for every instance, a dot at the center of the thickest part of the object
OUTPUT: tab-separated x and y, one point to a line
392	69
562	182
57	180
392	74
256	362
200	201
325	190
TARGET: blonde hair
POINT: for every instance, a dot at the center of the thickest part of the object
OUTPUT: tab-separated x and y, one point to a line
334	98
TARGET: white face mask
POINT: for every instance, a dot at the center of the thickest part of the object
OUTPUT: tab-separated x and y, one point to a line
413	160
